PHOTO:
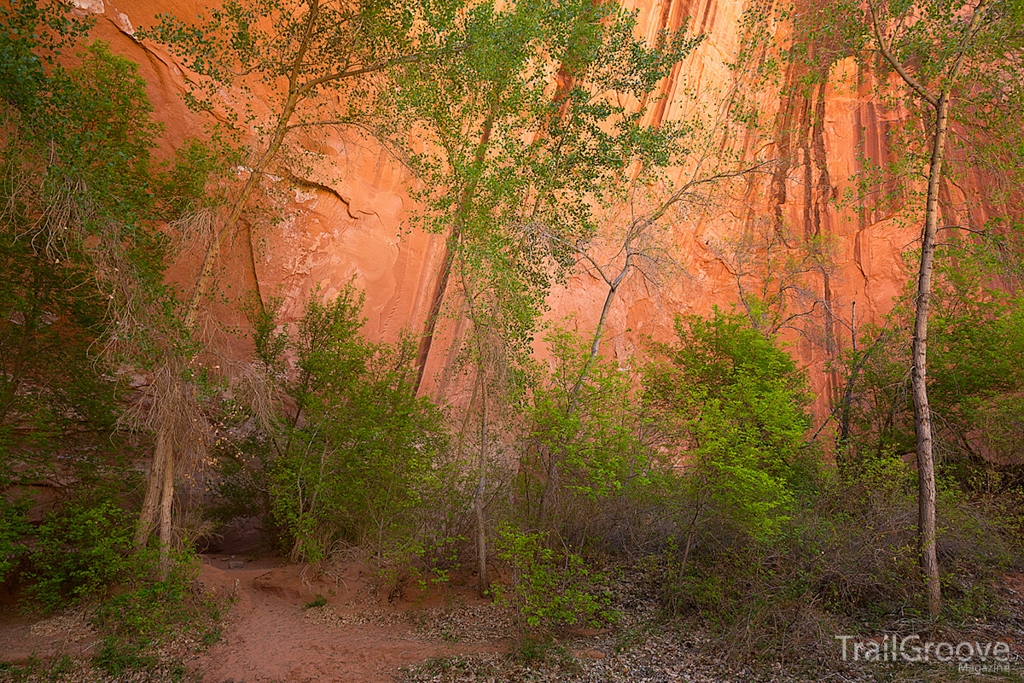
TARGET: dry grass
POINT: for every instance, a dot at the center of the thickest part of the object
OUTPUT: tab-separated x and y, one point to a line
71	626
259	390
60	225
192	229
170	401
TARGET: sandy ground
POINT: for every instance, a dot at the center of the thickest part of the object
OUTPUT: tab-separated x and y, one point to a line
271	633
270	636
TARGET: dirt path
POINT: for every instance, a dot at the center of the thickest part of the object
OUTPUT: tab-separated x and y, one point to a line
269	635
273	634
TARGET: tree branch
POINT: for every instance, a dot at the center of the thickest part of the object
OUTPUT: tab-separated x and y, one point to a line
904	74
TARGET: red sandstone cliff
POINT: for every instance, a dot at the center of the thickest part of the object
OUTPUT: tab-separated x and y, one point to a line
359	231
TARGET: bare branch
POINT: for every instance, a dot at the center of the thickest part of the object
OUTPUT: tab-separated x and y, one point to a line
887	54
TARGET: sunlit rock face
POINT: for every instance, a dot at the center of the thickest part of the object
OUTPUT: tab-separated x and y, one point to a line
359	232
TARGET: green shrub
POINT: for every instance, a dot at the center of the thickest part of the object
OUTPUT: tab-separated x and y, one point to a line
735	410
590	472
548	588
975	375
145	614
845	560
361	457
14	527
80	550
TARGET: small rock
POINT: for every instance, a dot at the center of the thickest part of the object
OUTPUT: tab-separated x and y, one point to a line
236	565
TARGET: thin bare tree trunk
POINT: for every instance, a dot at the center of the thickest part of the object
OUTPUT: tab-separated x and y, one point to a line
572	400
160	489
165	515
151	503
450	245
478	499
595	344
919	374
922	411
690	533
430	326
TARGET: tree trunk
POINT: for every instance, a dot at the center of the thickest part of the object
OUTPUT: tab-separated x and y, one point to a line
844	451
429	327
478	499
165	514
450	245
595	344
922	412
160	490
154	483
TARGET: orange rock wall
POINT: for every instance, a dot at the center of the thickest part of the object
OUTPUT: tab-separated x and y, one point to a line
360	232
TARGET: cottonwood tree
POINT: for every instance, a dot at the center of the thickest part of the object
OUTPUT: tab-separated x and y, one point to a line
82	201
525	132
532	125
959	63
634	237
310	65
641	249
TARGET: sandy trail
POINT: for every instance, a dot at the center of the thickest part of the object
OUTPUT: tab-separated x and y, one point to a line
269	636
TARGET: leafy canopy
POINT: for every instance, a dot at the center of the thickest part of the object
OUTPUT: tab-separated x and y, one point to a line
739	408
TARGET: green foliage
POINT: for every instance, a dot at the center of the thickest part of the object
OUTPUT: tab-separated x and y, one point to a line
976	370
312	67
360	456
976	356
14	526
738	408
80	247
69	219
242	44
548	588
145	614
512	173
706	459
589	426
80	550
772	549
932	39
589	470
82	300
320	601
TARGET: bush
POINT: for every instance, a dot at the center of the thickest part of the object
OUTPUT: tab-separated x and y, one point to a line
735	409
14	527
80	550
548	589
590	472
772	550
844	561
146	613
360	458
975	378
